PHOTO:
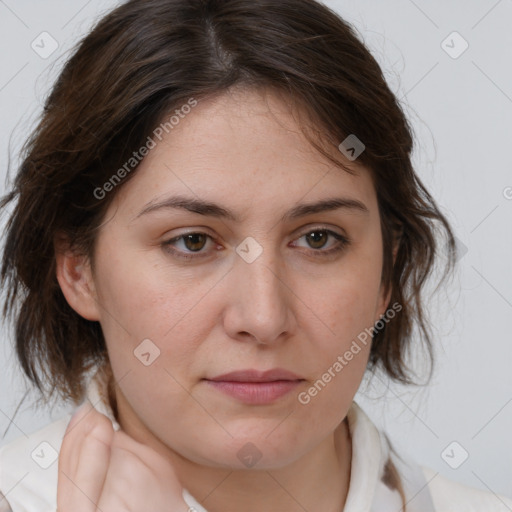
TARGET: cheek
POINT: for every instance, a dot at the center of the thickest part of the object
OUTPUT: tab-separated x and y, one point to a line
142	296
154	324
341	342
338	360
346	305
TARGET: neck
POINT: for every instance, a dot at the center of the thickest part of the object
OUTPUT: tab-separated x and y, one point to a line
317	481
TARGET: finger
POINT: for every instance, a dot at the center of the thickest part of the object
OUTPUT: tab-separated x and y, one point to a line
73	436
84	460
160	467
68	456
140	477
94	458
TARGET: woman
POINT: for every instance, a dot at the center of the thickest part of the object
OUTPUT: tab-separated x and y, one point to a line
217	230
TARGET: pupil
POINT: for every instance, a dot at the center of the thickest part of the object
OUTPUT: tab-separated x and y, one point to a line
317	236
191	241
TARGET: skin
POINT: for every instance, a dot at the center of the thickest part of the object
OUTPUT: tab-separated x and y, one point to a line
290	308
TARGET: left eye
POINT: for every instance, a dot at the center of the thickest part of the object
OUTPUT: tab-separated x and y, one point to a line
317	239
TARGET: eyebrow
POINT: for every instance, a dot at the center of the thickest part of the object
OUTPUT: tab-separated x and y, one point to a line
211	209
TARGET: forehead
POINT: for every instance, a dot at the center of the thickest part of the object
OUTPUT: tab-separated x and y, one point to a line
245	147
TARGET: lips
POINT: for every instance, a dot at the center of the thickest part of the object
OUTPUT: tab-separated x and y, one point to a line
256	387
276	374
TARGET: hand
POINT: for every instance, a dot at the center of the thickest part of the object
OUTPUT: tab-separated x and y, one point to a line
108	471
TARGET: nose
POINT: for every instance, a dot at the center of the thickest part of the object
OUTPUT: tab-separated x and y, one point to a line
260	301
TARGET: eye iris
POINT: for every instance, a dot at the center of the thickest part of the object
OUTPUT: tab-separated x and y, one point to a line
318	238
192	243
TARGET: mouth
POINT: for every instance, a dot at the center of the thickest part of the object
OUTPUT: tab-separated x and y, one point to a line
256	387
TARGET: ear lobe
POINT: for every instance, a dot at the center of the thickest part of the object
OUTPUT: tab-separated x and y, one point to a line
74	275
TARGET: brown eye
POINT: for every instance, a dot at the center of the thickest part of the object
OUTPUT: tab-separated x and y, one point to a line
323	242
194	241
317	239
189	245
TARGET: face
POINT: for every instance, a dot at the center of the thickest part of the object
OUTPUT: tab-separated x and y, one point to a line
187	294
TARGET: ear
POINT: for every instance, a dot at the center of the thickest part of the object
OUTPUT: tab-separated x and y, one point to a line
383	303
75	279
385	299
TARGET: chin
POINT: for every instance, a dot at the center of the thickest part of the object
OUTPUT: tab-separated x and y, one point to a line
256	452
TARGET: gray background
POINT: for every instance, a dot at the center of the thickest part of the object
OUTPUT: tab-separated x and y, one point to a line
461	109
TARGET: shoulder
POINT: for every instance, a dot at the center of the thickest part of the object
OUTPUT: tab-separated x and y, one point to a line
451	496
29	469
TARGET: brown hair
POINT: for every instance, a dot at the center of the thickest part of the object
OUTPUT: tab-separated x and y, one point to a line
149	57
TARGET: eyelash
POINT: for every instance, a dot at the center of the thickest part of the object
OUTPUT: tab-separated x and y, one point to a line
343	243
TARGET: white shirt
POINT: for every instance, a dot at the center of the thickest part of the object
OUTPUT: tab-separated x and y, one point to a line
28	473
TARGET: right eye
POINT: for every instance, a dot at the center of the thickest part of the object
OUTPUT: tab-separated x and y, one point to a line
191	243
